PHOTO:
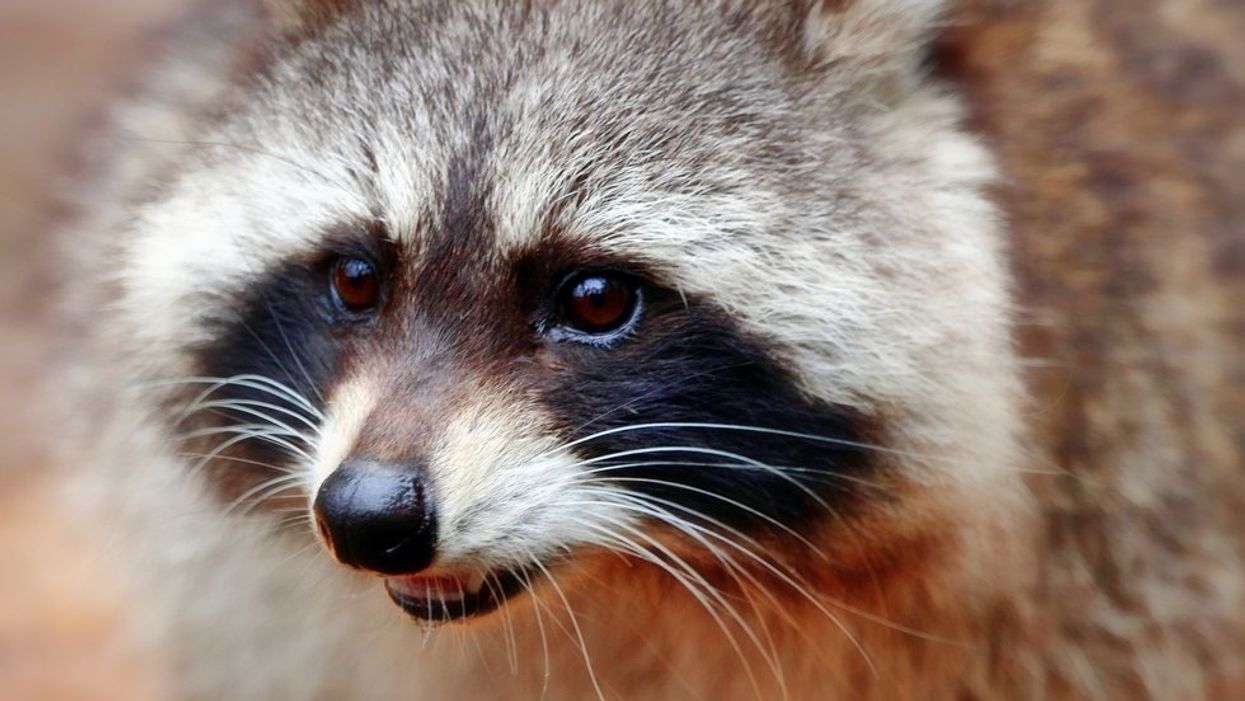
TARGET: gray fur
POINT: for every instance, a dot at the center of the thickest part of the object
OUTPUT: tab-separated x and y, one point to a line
783	160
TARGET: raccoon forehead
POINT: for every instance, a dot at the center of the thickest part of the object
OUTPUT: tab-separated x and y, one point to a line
335	133
829	228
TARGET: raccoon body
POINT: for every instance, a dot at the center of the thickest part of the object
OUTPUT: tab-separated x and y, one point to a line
635	350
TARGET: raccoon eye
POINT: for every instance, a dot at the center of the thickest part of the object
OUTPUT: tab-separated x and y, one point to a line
598	303
356	284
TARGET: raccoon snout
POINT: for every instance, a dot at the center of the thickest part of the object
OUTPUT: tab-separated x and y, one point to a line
378	516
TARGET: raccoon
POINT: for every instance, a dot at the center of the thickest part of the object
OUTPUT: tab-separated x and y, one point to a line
618	349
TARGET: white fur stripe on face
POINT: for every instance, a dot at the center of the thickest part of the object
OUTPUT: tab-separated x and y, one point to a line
502	488
349	407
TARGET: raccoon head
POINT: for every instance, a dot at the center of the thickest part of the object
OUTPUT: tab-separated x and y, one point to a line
493	287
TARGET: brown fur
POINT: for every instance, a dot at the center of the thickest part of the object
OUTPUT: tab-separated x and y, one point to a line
1119	126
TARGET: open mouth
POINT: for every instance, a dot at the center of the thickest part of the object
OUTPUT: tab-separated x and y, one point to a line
444	598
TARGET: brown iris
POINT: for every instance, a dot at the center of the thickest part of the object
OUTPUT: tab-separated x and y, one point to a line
598	303
356	284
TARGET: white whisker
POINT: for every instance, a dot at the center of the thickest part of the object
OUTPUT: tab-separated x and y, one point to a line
246	432
263	490
259	383
799	588
243	461
244	436
733	502
731	567
701	590
537	605
809	473
271	423
829	440
293	355
717	453
650	505
579	634
251	407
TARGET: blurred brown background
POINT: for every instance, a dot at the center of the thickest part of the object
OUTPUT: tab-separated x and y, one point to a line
59	60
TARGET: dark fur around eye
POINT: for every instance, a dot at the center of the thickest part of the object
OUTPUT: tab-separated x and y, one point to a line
696	414
680	405
273	355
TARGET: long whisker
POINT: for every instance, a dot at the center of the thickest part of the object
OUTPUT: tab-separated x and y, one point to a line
717	426
737	572
244	436
540	603
806	473
579	634
787	579
270	353
829	440
259	383
716	453
754	555
251	407
537	605
276	319
243	461
701	591
733	502
264	491
241	407
267	434
731	567
512	647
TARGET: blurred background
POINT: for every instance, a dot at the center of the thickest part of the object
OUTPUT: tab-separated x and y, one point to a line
60	61
1120	125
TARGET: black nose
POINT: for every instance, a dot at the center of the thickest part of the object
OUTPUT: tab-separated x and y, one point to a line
377	516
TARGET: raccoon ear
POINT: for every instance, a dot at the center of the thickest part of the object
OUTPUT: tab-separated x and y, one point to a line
291	16
874	34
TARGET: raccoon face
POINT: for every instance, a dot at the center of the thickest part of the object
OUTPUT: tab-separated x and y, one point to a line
509	285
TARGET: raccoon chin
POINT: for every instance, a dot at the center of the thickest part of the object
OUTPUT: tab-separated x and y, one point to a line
448	597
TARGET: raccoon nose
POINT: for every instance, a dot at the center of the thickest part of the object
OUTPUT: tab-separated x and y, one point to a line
377	516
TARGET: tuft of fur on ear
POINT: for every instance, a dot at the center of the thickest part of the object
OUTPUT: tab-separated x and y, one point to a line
293	16
875	34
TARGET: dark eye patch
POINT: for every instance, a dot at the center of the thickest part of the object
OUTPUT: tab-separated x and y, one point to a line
277	340
700	417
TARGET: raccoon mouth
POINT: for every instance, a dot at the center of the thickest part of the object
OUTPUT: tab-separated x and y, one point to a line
436	599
